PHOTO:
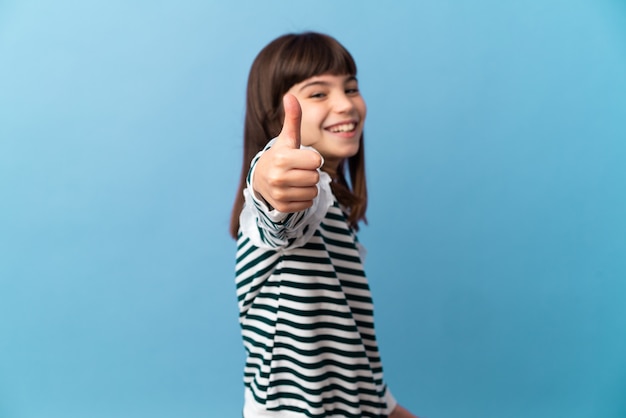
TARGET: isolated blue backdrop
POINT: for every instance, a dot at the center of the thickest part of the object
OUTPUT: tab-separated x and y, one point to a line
497	229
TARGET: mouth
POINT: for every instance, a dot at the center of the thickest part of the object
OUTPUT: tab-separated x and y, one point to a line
342	127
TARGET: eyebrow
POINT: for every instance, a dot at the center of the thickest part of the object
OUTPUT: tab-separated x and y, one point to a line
324	83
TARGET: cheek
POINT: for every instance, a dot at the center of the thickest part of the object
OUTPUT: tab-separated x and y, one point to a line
362	109
307	130
312	119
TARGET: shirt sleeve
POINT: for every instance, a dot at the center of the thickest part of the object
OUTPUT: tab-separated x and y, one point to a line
390	401
271	229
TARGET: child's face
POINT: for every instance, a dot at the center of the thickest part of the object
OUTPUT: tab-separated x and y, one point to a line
333	113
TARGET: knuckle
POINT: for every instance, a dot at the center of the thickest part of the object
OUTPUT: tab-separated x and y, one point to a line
315	158
281	159
275	178
281	208
318	160
279	195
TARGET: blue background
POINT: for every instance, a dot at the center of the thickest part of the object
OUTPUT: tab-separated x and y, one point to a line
496	145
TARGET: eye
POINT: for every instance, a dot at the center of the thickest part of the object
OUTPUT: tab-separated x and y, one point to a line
352	90
318	95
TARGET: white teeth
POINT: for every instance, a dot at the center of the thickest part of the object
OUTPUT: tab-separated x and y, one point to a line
347	127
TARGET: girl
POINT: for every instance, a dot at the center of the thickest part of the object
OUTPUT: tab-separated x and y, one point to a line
305	307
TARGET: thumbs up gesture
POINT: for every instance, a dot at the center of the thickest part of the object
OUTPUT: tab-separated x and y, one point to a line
285	175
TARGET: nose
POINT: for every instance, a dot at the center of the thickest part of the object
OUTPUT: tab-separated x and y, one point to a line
342	103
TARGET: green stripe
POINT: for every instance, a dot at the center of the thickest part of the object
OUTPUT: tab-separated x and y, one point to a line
245	282
253	263
362	312
335	229
314	299
336	216
359	283
305	272
309	378
320	337
363	324
318	325
352	272
255	330
356	298
307	259
328	350
327	388
310	286
345	257
262	319
241	242
329	375
316	312
343	244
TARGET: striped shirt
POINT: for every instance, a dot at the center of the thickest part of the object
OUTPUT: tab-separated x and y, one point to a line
306	313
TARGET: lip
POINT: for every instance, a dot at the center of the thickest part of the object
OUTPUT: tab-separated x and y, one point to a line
344	122
345	135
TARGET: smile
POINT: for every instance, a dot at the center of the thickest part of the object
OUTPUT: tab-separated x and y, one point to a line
344	127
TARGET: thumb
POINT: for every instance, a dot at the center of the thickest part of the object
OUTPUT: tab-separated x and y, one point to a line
290	134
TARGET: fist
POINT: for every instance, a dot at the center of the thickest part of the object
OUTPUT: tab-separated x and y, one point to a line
286	176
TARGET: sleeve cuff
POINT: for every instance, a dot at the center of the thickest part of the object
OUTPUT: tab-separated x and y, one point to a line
275	215
390	401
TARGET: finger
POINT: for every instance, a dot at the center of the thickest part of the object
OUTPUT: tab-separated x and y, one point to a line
296	178
290	134
293	207
302	159
288	195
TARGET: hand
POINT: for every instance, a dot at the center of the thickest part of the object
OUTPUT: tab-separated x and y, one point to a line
285	175
400	412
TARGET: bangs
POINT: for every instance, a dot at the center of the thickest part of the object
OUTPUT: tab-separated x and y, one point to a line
312	54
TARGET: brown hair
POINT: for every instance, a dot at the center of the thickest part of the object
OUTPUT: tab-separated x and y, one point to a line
286	61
